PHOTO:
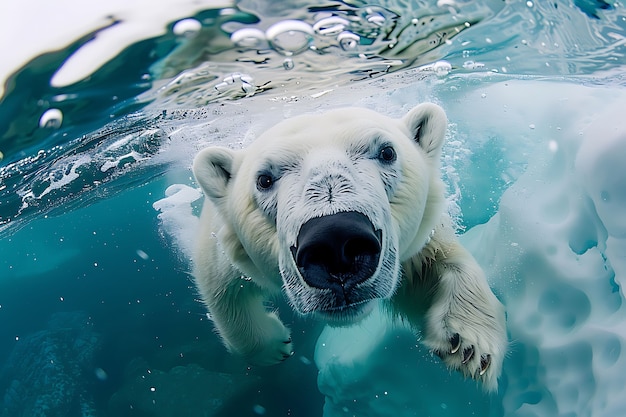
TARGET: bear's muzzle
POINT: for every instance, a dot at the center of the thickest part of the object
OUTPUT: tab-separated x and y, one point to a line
338	252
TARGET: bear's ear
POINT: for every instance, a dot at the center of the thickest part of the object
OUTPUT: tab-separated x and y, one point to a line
213	169
427	123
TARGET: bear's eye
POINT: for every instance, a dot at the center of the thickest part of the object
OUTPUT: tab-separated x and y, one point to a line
264	182
387	154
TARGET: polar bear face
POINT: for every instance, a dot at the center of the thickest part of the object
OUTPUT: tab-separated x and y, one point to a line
328	206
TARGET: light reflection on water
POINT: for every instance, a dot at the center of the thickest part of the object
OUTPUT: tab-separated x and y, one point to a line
255	51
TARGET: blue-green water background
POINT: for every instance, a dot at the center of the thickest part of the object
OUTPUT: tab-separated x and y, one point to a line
95	247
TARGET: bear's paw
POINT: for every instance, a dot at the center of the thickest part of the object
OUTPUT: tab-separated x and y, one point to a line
273	344
471	339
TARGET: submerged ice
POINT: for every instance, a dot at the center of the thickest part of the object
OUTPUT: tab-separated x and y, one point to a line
555	253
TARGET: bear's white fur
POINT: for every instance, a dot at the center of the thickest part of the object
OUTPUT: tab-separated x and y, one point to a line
344	161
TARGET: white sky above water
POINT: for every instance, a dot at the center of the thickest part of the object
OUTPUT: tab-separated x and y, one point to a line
29	28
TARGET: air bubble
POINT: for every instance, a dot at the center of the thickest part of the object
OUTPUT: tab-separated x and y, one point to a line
290	37
442	68
101	374
236	82
376	18
52	119
348	41
248	38
288	64
374	15
330	26
187	28
471	65
259	409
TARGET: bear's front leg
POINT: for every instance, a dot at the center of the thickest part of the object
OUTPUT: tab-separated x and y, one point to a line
246	327
465	324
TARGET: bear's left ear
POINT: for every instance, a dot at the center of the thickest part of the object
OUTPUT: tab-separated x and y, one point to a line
427	123
213	168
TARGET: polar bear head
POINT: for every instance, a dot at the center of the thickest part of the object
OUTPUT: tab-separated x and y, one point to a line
328	206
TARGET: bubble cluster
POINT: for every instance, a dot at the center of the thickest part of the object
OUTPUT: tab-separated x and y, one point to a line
366	31
337	43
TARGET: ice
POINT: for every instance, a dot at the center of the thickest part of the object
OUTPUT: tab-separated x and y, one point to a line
551	237
177	218
554	253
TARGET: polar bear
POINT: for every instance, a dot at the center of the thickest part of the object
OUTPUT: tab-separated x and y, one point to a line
338	211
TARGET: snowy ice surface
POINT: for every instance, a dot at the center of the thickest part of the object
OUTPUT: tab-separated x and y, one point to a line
554	252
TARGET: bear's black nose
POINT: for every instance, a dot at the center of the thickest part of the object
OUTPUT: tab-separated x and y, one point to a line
337	251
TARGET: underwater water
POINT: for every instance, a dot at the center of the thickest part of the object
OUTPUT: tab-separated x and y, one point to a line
104	107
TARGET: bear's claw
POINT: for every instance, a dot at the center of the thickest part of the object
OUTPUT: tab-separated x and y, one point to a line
468	353
455	341
465	360
485	361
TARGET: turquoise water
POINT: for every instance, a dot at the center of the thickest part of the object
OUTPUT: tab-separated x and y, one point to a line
98	313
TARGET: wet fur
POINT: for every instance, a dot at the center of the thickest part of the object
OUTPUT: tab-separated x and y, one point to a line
243	253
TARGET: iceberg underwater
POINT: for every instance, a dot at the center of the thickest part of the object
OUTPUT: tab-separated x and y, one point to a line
554	252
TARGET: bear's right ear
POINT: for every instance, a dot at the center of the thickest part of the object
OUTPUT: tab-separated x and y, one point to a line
213	169
427	123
